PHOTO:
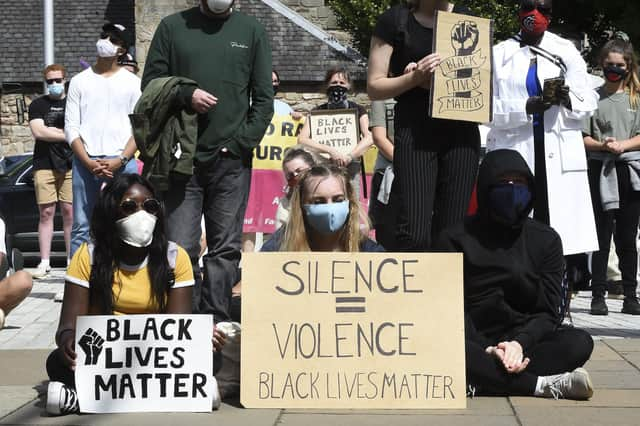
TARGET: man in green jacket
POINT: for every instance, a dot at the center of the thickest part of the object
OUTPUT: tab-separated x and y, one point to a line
227	54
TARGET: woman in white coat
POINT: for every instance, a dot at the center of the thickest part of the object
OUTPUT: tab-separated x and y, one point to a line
543	121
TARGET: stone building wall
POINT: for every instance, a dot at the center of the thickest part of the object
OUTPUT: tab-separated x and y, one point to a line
15	138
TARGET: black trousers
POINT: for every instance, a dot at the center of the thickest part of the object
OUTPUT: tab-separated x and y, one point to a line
383	216
622	223
435	164
562	350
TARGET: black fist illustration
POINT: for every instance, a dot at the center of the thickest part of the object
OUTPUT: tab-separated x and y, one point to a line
464	37
91	343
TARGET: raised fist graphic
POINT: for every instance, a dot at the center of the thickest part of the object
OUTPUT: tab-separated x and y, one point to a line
464	37
91	343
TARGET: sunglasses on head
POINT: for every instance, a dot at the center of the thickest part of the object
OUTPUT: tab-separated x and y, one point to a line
150	205
54	80
529	6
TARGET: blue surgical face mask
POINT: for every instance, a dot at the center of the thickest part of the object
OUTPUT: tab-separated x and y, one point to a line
327	218
56	89
508	202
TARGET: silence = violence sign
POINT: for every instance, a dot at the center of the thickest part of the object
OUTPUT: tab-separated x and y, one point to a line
137	363
352	330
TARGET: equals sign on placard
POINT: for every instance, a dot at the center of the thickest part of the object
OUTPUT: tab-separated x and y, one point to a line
349	304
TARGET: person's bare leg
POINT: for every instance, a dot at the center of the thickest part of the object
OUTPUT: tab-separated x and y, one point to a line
45	229
14	289
67	222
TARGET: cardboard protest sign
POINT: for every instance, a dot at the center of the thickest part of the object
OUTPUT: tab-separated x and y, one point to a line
352	330
267	181
140	363
338	128
461	89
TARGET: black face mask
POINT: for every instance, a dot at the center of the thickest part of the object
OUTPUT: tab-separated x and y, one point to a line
337	95
614	73
275	89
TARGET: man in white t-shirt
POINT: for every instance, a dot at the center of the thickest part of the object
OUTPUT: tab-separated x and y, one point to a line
97	126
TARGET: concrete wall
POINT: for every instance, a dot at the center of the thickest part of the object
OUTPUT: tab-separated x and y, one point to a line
15	138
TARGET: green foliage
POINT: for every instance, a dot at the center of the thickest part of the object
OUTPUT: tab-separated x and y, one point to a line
358	17
596	18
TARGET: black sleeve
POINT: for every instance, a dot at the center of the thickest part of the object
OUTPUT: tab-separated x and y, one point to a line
37	109
463	10
546	316
386	26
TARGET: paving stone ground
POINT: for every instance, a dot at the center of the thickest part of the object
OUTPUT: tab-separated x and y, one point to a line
614	366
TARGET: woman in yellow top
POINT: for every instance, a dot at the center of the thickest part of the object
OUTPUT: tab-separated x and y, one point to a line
128	268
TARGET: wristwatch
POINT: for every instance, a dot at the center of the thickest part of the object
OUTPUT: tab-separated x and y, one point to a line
124	160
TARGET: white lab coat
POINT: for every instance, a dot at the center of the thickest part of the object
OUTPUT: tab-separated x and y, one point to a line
570	209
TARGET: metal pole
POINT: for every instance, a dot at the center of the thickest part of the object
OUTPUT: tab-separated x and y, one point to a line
48	33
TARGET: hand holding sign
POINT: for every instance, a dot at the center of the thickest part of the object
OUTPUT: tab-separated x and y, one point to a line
464	37
91	343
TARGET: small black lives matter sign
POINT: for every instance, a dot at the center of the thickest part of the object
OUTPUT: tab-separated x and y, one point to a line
141	363
338	129
352	330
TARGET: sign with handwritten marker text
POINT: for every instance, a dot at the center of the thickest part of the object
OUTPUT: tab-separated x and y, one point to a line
353	331
461	87
338	129
141	363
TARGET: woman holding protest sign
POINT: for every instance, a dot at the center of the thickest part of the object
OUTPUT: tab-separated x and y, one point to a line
324	215
338	84
513	269
129	267
435	161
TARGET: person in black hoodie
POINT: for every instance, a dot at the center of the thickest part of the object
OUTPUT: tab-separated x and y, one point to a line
513	268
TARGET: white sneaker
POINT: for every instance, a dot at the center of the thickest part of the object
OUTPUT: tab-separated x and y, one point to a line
1	318
61	399
40	272
573	385
216	401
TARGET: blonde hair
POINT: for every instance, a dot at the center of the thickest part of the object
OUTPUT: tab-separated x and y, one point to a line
631	82
296	237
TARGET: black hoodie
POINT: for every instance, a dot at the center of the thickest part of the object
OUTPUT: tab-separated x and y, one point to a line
512	275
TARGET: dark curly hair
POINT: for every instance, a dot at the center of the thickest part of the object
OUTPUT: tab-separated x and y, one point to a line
107	254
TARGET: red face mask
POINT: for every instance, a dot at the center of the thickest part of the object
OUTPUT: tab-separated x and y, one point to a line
533	22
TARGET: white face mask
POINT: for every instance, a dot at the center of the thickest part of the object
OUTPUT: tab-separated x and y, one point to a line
137	229
219	6
106	49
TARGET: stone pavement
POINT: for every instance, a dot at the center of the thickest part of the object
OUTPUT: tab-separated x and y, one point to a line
614	366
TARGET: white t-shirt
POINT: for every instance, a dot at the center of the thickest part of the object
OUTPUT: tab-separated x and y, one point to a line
98	110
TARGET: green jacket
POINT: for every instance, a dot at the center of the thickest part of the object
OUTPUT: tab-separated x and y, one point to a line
229	58
166	133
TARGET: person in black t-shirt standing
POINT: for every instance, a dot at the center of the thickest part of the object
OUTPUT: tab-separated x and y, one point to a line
338	84
435	161
51	163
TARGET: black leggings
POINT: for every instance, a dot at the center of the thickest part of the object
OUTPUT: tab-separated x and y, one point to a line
560	351
435	164
624	232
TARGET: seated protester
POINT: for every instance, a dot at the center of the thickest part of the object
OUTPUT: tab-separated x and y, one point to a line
324	215
153	276
513	268
297	159
14	288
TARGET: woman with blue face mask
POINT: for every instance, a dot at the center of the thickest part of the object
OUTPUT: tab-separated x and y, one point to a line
325	215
